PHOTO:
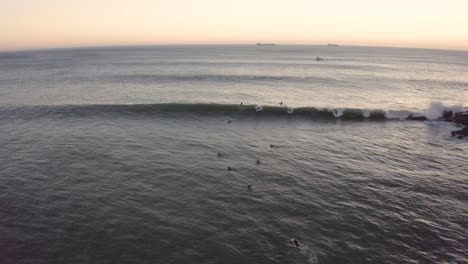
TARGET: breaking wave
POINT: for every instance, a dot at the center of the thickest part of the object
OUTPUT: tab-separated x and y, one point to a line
436	111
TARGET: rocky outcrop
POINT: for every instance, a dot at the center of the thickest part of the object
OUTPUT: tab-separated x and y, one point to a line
461	133
461	118
417	118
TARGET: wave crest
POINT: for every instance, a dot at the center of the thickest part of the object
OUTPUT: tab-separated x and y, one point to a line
213	109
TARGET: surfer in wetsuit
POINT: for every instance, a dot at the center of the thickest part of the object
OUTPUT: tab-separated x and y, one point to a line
241	107
294	242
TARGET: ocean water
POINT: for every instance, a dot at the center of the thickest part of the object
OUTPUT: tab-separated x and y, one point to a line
109	155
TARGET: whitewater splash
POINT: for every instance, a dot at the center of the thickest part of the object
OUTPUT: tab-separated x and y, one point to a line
437	109
339	112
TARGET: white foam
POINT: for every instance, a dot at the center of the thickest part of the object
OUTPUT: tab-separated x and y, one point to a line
337	112
366	113
436	110
456	109
391	114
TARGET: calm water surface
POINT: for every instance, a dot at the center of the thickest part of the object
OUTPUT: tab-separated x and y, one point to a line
86	179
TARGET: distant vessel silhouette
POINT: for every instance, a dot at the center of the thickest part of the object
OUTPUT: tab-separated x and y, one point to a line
333	45
265	44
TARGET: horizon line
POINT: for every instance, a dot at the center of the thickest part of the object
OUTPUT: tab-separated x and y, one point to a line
212	44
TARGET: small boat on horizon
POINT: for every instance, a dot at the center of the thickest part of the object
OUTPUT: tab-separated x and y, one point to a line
265	44
333	45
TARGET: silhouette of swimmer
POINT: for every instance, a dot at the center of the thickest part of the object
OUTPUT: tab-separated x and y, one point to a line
250	187
230	169
258	162
229	122
242	103
281	103
273	146
294	242
220	155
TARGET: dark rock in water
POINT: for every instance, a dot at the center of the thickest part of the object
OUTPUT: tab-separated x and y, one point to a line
461	117
462	133
447	115
417	118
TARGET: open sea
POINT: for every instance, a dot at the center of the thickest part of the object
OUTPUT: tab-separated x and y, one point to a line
110	155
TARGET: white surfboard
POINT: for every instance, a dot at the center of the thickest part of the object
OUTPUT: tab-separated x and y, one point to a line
258	108
337	112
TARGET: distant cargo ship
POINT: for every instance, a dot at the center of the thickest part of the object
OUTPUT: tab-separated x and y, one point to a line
333	45
265	44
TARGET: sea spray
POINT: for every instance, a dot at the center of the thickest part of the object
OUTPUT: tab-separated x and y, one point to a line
436	110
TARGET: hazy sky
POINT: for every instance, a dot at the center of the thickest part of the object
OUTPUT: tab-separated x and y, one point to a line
62	23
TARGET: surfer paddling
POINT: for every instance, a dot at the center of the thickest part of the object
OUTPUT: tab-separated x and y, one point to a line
294	242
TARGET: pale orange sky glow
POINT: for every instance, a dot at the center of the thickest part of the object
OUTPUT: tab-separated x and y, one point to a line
27	24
